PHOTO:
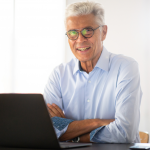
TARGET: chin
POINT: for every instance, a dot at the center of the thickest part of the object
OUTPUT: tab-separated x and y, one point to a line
83	60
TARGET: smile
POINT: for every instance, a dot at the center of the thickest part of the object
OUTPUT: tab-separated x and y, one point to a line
83	49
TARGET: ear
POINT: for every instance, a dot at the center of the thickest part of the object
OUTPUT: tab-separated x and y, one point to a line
104	32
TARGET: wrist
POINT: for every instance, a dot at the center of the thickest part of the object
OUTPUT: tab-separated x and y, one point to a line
76	139
85	138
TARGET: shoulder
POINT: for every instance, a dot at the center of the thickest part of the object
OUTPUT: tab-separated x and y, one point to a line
124	68
121	62
65	68
61	72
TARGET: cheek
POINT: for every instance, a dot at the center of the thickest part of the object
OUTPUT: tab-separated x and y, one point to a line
93	43
96	44
71	43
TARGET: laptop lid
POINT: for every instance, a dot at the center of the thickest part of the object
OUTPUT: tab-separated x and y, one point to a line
25	122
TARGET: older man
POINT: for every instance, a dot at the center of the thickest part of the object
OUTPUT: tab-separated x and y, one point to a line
96	96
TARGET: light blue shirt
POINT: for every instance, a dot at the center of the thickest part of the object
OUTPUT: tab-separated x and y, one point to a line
110	91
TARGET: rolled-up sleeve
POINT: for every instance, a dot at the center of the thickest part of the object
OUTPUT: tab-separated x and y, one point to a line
127	105
60	125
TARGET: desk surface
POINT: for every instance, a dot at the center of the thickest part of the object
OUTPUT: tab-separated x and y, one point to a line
93	147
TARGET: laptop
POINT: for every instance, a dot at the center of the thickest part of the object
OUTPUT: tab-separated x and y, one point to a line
25	122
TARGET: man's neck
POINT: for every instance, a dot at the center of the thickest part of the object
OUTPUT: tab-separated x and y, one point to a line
88	66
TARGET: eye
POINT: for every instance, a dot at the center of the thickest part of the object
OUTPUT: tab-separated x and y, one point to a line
87	31
72	33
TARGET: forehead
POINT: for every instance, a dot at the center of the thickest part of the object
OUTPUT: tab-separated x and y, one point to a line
80	22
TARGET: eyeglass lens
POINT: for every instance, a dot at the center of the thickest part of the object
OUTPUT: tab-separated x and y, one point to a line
73	35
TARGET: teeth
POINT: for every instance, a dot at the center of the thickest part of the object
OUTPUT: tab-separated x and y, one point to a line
83	49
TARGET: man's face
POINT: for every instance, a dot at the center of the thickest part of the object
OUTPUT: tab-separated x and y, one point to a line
94	44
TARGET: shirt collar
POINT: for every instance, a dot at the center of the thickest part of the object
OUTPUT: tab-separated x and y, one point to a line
102	63
76	68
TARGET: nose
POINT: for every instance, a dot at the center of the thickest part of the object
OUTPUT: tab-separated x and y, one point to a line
81	38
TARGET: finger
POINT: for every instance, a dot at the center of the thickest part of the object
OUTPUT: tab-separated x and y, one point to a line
55	111
51	113
59	110
48	105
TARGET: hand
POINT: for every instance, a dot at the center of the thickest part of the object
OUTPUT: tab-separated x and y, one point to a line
55	111
85	138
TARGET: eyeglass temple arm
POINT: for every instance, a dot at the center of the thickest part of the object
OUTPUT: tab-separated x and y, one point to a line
98	27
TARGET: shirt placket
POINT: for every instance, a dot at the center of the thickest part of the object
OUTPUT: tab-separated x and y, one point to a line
88	98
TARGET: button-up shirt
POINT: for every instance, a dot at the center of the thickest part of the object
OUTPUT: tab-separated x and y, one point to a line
110	91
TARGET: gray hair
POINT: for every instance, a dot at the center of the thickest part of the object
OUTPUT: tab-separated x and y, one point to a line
85	8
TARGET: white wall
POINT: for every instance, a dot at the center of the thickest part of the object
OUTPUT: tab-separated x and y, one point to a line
129	34
6	44
30	31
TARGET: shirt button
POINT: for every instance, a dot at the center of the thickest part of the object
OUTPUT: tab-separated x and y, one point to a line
89	81
88	100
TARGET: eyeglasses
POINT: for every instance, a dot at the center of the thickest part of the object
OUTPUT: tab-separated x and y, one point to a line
86	32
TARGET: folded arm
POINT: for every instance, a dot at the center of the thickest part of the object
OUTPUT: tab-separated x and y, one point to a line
127	117
80	128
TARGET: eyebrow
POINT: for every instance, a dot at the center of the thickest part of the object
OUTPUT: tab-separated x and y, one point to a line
81	28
